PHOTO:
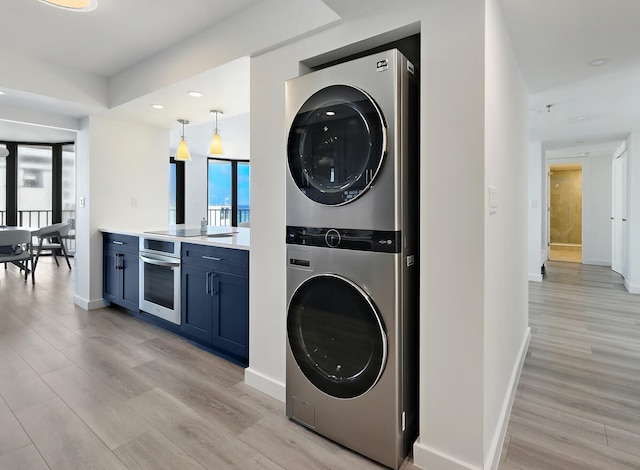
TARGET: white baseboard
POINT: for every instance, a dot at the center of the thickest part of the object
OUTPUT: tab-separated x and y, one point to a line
535	277
632	288
597	262
429	458
88	304
493	458
265	384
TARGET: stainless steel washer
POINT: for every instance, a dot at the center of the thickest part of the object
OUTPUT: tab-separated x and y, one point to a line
351	356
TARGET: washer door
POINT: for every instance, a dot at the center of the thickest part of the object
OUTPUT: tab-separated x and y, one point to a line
336	145
336	336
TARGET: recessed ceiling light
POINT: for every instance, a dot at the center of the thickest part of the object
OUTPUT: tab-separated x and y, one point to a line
73	5
157	106
598	62
195	94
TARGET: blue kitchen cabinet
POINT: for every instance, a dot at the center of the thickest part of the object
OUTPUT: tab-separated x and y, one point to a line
120	270
215	299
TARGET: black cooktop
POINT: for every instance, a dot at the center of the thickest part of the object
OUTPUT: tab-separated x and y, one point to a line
195	232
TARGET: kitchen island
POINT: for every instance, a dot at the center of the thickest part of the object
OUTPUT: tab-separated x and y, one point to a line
194	285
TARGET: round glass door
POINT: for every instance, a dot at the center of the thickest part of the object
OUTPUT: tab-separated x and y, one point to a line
336	336
336	145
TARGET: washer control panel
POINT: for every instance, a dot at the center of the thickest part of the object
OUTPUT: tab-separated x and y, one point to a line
382	241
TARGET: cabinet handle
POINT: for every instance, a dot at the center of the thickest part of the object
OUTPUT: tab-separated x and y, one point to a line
214	276
207	285
115	242
118	264
115	264
212	258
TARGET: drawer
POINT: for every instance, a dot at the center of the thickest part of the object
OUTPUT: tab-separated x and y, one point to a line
124	243
215	258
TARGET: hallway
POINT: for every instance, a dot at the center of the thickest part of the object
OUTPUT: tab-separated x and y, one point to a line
578	400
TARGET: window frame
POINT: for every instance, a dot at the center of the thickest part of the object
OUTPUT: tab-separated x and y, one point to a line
12	179
234	185
180	189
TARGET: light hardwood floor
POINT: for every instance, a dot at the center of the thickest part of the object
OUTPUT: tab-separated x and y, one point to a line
104	390
578	401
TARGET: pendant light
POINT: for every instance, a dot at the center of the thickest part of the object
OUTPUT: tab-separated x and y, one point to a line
216	142
74	5
182	154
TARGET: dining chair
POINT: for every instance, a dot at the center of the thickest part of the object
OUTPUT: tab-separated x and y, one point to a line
19	250
50	238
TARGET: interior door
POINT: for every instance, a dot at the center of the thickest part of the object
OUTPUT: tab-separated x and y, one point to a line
619	214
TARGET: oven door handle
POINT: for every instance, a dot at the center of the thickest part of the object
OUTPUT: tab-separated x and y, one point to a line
159	262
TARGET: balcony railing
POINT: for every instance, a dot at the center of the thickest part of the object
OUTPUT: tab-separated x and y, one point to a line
221	216
42	218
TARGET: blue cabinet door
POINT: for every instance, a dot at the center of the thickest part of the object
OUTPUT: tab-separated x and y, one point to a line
231	314
197	303
112	285
120	277
130	273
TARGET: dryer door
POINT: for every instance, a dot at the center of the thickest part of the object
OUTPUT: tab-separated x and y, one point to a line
336	336
337	143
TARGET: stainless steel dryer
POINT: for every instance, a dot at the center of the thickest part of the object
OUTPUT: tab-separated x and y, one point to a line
348	138
351	356
352	211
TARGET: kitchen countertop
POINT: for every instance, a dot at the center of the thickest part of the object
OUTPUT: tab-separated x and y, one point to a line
239	240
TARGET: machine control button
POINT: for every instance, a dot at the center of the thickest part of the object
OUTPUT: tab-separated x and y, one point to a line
332	238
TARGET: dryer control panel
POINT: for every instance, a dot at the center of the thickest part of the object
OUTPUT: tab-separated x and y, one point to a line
381	241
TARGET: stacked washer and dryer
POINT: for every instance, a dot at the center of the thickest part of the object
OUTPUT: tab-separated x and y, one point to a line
352	239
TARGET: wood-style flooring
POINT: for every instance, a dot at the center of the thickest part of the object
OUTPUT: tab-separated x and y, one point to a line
105	390
577	406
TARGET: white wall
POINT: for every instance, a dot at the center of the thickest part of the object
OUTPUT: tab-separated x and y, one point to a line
506	162
454	428
632	281
123	175
537	204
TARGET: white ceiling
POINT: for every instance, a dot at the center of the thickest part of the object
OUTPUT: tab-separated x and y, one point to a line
554	40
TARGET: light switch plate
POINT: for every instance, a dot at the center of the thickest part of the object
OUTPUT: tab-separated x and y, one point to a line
493	200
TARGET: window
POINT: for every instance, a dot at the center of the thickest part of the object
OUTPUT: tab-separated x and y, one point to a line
228	192
3	189
244	173
35	185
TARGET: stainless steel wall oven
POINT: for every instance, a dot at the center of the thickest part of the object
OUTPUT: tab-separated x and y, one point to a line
160	278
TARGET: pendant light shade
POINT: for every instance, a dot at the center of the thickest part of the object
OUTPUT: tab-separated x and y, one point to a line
182	154
216	142
75	5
